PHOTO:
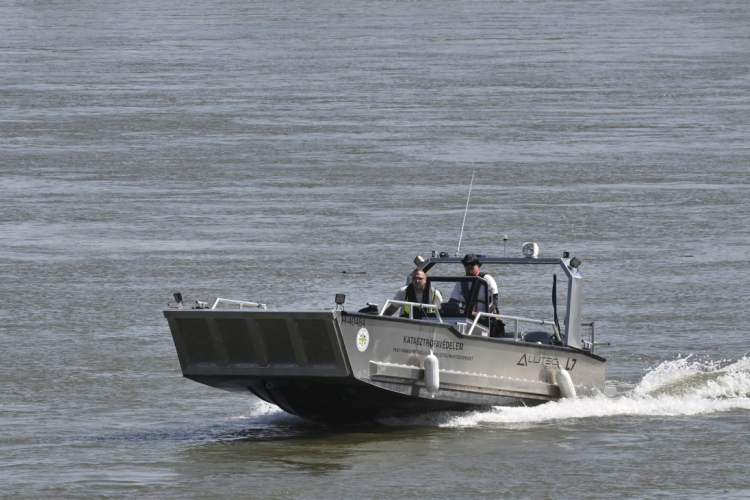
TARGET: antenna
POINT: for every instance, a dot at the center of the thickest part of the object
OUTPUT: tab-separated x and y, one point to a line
458	250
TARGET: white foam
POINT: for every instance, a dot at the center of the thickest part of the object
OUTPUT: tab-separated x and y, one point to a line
679	387
265	413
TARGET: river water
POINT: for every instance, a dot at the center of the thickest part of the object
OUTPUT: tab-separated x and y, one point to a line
256	150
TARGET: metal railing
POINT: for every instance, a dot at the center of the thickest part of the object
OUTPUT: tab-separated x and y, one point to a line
412	305
515	319
238	303
592	344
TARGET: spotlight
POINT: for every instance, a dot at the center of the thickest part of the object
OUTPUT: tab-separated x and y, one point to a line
530	250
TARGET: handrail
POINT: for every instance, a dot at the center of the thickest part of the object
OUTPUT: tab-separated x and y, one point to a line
239	303
516	319
586	344
592	345
433	307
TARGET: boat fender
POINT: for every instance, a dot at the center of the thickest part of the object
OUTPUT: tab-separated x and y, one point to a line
565	383
431	374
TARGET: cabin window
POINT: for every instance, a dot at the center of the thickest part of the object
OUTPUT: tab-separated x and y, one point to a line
481	304
460	296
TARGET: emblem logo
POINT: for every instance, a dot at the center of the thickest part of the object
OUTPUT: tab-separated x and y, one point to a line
363	339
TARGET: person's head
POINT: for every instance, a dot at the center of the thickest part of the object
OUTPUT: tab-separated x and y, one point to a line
471	264
418	280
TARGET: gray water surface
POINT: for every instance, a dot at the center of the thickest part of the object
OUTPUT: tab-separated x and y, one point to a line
255	150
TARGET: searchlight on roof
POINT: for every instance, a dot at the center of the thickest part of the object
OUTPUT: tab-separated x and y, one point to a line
530	250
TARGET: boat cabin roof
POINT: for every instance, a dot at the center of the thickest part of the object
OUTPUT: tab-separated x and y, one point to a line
564	262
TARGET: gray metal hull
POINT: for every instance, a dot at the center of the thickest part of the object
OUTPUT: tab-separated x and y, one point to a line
335	367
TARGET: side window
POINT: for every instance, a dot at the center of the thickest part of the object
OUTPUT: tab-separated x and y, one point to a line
444	288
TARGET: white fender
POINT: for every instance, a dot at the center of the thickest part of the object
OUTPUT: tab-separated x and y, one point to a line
431	374
565	383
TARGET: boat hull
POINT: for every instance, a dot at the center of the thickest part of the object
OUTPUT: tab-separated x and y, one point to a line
335	367
337	401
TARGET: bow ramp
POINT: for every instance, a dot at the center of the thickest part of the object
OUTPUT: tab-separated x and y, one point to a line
226	349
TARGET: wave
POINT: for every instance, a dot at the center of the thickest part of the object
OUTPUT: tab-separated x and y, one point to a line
680	387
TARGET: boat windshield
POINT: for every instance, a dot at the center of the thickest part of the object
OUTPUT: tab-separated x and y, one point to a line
461	295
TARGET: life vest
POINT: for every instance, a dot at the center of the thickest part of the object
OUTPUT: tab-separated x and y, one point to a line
411	296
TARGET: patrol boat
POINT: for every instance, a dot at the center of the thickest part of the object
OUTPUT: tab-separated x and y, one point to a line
339	367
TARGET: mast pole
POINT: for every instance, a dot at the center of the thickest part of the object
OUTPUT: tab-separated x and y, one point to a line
458	250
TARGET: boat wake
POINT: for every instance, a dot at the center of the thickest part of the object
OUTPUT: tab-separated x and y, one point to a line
680	387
